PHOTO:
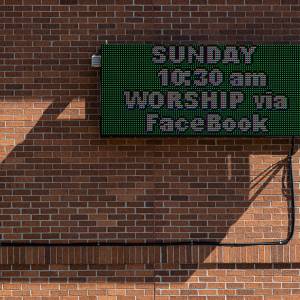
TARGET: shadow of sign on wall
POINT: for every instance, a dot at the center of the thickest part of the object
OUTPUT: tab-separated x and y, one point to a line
64	183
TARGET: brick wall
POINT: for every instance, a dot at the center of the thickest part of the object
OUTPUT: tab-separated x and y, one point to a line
61	182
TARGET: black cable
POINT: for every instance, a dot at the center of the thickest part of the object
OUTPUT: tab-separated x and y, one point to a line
291	229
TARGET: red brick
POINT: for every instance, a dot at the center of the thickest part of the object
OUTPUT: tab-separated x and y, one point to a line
60	180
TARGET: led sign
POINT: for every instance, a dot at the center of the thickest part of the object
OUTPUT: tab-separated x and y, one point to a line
200	90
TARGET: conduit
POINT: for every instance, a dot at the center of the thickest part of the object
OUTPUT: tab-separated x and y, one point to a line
291	228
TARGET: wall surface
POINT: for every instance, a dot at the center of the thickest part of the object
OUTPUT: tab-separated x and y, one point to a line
61	182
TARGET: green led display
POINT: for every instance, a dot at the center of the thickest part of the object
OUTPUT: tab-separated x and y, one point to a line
200	90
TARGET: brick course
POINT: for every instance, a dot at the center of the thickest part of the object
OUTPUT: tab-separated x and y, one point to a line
60	181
